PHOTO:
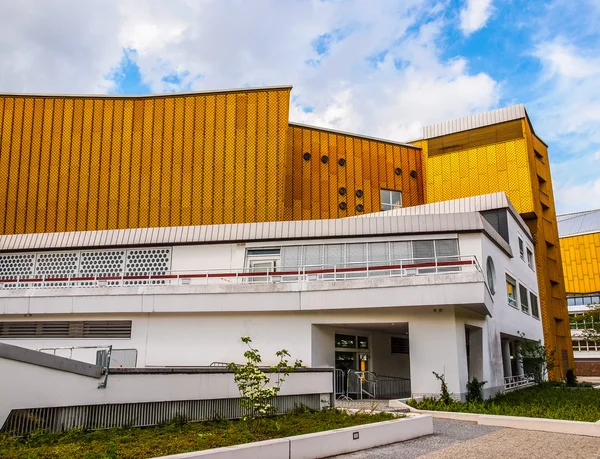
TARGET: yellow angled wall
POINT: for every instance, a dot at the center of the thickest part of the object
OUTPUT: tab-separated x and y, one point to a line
91	163
581	263
502	166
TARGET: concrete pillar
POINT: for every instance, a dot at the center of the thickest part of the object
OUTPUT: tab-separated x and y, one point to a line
518	358
506	358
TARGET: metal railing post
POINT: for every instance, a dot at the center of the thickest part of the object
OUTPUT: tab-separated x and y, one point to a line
104	382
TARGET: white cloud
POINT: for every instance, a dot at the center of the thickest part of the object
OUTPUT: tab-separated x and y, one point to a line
69	47
58	46
566	112
475	15
579	196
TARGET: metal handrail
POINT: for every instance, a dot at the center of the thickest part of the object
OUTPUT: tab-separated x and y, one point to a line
102	384
306	273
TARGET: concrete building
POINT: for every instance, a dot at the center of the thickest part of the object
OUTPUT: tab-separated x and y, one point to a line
580	249
398	294
128	169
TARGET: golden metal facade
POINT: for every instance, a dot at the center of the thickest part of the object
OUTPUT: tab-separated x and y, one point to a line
89	163
515	161
581	262
313	186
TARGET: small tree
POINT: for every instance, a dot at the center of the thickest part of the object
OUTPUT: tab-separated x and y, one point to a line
256	387
445	397
537	359
589	323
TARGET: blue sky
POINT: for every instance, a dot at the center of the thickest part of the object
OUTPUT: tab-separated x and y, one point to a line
382	68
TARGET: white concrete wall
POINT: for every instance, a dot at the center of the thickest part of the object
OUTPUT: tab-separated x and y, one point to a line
32	386
384	362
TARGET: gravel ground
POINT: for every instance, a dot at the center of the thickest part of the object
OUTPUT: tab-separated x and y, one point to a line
525	444
466	440
445	433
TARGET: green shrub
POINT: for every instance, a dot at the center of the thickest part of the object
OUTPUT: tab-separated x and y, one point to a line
142	443
475	391
571	378
543	401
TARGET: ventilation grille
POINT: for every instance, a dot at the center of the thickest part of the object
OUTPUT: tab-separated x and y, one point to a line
21	422
16	265
400	345
101	263
66	329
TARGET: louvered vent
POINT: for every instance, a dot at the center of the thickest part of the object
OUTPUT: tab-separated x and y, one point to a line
399	345
66	329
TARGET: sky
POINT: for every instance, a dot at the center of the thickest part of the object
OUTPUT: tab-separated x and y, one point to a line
382	68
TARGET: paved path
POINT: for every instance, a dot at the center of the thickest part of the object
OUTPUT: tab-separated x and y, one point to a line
466	440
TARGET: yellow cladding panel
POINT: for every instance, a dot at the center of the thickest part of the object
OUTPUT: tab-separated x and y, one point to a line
502	166
345	173
581	263
91	163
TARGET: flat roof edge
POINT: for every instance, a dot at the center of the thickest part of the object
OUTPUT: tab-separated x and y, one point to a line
147	96
351	134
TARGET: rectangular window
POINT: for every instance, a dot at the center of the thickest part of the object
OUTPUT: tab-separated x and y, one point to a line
535	309
529	257
511	291
446	251
521	249
391	199
399	345
345	341
524	299
363	342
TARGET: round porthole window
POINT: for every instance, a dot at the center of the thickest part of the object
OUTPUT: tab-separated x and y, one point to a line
491	274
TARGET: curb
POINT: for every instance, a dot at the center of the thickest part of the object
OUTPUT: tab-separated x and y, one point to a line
588	429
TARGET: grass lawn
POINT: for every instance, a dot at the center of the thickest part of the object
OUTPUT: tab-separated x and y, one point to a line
545	401
141	443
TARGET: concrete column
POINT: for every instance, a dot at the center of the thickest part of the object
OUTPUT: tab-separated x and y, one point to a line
506	358
518	358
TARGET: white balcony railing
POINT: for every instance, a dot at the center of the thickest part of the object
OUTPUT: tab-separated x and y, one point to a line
515	382
347	271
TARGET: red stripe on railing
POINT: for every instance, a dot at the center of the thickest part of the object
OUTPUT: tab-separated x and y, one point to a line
440	264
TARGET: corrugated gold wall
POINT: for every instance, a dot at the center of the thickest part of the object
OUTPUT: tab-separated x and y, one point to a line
509	157
581	263
89	163
501	166
313	186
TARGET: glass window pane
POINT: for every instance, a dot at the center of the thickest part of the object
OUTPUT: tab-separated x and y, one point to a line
511	291
334	255
396	198
401	250
290	257
363	342
379	253
313	256
347	341
524	299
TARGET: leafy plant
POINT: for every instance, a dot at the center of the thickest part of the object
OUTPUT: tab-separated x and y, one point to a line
571	378
445	397
141	443
256	387
475	391
543	401
537	359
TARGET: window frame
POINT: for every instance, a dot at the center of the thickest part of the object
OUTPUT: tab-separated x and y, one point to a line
515	297
532	297
530	258
524	299
521	247
389	203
